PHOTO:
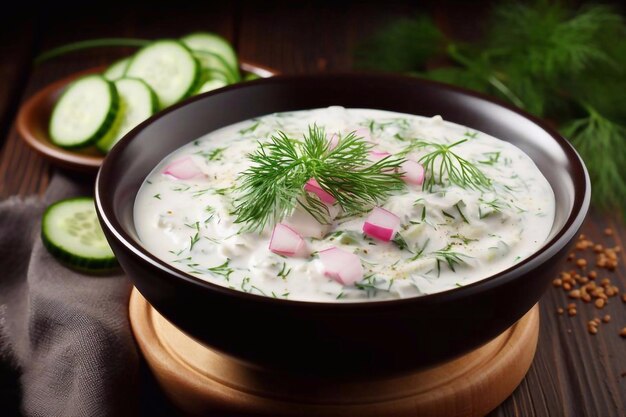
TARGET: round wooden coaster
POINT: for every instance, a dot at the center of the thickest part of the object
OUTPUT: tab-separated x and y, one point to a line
200	381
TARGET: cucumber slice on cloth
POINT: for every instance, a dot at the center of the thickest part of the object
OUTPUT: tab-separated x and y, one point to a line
71	232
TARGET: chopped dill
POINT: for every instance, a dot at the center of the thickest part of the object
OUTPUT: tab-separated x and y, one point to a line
448	257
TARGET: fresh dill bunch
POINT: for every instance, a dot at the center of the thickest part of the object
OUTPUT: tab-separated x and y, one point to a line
602	142
274	185
442	163
547	40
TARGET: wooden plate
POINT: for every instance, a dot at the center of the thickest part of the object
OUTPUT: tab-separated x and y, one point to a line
201	381
34	117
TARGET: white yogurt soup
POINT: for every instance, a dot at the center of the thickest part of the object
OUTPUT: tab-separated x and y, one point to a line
452	206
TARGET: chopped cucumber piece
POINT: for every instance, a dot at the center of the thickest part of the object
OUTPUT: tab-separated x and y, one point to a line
86	112
211	85
117	69
71	232
214	52
169	68
138	103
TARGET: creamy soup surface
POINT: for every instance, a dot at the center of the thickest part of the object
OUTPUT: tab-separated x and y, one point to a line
450	236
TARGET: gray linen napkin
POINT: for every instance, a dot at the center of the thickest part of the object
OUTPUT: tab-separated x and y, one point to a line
63	333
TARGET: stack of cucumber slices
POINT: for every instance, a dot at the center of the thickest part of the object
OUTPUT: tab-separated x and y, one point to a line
100	109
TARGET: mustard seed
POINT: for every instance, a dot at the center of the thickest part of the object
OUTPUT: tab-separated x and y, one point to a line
606	318
574	294
599	303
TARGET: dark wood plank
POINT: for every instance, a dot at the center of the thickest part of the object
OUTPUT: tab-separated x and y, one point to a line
302	37
18	41
575	373
23	172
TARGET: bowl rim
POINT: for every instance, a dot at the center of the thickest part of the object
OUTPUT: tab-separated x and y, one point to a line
559	241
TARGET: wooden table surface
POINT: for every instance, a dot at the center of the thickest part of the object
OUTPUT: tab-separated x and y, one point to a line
574	373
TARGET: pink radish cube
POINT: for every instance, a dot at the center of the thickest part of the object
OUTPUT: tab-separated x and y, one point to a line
306	225
413	172
333	141
364	133
183	169
313	186
381	224
344	267
286	241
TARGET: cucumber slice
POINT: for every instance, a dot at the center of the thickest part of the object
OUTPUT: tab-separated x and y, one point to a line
138	103
215	52
216	74
85	113
211	85
71	232
117	69
169	68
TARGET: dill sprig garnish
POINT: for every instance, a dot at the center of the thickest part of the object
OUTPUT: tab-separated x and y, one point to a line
442	163
274	185
554	60
449	257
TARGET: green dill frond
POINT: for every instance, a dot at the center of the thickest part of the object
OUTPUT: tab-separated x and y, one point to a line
443	164
602	145
547	39
450	258
274	185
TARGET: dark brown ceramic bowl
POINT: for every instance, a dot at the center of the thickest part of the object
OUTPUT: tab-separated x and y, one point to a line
34	117
339	338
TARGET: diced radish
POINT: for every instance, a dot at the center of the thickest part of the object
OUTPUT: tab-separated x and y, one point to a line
306	225
183	169
314	187
285	241
364	133
381	224
376	156
413	172
333	141
344	267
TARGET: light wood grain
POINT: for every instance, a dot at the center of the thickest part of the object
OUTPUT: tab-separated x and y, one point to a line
200	380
